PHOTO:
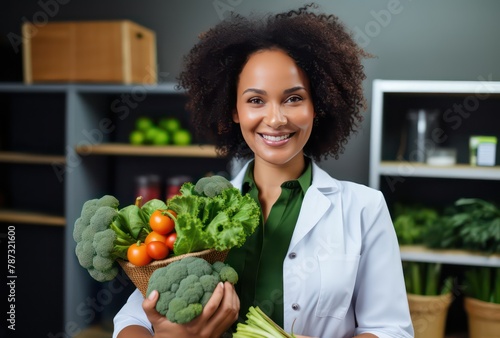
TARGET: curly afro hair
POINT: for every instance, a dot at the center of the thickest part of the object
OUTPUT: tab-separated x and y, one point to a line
318	43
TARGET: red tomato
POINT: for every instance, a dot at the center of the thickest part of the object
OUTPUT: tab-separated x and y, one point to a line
171	240
153	236
157	250
137	254
161	222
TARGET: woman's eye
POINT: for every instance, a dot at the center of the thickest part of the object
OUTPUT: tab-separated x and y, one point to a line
293	99
255	100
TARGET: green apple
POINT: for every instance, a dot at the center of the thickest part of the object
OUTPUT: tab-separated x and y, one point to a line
161	138
137	137
144	123
151	134
170	124
181	137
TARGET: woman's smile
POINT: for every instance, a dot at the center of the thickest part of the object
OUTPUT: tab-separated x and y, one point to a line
274	107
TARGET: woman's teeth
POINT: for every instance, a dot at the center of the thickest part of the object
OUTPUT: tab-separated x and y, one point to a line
276	138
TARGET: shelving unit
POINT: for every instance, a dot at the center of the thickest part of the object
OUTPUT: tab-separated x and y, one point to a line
466	108
61	145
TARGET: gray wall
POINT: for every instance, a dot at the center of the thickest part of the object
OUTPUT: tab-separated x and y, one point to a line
426	39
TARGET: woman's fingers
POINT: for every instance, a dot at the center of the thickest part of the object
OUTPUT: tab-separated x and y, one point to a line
214	302
149	306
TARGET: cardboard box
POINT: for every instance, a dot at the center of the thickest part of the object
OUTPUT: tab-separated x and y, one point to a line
89	51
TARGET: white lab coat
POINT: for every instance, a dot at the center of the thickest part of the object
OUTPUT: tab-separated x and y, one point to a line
343	266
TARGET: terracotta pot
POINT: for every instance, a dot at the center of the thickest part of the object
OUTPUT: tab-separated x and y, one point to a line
484	318
428	314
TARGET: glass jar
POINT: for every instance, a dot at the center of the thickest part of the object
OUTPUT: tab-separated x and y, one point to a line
148	186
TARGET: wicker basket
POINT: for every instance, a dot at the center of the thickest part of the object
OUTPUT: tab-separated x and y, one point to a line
139	275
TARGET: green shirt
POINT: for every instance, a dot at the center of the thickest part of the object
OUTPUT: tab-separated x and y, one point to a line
259	262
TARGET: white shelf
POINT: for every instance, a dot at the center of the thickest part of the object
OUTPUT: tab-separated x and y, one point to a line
418	253
461	171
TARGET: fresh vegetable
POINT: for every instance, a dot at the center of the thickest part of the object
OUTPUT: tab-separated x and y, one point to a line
186	285
137	254
98	245
157	250
211	186
170	241
153	236
259	325
212	214
161	222
104	233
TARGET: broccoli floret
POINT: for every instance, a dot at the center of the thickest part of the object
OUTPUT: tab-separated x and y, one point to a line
190	289
218	265
212	186
183	292
198	267
206	297
228	274
209	282
95	240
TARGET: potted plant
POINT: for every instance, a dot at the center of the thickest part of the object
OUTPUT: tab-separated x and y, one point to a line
428	296
470	224
482	301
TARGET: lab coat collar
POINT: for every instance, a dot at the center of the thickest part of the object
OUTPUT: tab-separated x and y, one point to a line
321	180
315	203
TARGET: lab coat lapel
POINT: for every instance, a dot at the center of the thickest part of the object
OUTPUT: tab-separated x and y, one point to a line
315	203
314	206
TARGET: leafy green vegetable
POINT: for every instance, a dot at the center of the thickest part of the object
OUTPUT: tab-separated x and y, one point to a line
258	324
186	285
221	221
104	233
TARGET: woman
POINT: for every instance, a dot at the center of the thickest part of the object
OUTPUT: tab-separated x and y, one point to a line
286	92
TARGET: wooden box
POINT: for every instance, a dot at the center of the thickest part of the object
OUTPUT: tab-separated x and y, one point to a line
89	51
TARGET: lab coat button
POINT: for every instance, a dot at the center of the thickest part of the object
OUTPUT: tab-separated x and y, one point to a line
295	306
292	255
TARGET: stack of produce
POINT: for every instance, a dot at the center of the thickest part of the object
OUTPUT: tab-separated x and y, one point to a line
209	217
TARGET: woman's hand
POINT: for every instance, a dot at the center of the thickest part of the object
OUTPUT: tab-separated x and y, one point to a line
218	315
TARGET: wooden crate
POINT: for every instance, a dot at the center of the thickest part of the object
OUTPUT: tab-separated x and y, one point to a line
89	51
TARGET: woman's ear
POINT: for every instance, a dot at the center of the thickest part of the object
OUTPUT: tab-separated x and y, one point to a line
236	118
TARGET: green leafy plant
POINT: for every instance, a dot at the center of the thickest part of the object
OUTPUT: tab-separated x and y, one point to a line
412	221
424	279
470	223
483	283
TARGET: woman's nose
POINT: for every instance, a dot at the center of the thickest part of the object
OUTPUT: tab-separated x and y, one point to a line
275	117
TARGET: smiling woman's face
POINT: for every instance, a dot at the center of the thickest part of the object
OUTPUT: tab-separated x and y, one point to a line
274	107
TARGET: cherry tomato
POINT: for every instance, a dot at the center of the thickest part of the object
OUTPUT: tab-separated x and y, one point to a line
137	254
153	236
157	250
161	222
171	240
